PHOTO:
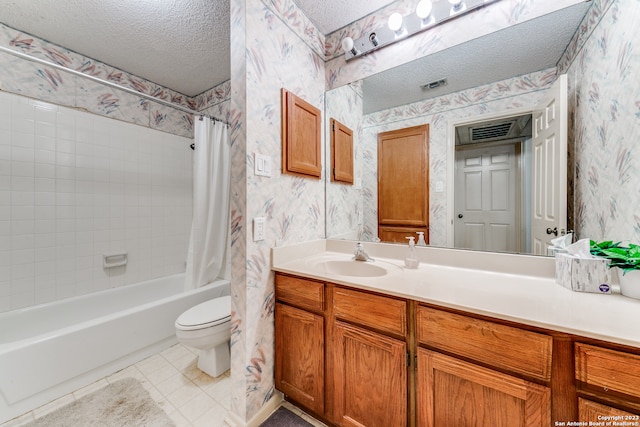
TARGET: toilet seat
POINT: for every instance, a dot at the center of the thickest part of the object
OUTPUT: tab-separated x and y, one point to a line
205	315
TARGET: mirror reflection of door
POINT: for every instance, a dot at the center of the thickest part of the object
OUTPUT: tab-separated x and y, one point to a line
403	184
488	198
549	217
492	185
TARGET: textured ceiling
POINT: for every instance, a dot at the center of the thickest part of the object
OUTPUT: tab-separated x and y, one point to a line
180	44
331	15
520	49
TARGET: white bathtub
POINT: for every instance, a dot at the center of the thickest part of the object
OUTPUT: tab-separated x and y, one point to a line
49	350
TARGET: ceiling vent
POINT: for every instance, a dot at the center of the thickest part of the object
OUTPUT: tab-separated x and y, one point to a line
500	130
510	128
434	84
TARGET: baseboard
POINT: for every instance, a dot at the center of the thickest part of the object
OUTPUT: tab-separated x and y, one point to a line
232	420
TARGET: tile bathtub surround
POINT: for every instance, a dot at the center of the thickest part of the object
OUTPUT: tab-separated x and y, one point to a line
190	397
74	186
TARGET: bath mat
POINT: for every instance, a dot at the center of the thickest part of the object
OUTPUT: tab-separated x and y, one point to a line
282	417
122	403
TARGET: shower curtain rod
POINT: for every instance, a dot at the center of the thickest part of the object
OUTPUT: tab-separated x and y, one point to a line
107	83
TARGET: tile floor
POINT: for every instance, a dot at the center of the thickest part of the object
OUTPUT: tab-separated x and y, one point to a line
190	397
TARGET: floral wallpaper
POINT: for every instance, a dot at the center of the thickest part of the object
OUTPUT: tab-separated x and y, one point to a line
344	201
603	64
271	49
49	84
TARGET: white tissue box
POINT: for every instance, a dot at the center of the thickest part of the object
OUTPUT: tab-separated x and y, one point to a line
583	274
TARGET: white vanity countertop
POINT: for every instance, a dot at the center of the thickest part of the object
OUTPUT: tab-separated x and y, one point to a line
478	282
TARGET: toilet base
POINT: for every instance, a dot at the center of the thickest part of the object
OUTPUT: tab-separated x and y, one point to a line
215	361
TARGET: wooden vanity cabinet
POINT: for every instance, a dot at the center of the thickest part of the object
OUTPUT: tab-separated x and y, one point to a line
608	383
369	355
456	380
300	341
358	358
340	353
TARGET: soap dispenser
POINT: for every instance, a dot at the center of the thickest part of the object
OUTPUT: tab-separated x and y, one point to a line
421	241
411	261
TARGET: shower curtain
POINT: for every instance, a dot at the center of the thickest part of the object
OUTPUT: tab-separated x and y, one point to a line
210	231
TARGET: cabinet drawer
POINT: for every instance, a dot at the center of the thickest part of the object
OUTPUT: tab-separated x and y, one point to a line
376	311
303	293
487	342
609	369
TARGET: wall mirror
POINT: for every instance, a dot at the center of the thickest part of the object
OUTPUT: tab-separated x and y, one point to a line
448	92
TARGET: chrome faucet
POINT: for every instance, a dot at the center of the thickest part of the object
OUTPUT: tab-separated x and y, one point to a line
360	254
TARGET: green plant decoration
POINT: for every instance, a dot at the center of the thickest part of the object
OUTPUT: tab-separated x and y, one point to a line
626	258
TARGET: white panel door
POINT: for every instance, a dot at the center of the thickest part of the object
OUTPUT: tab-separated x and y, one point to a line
485	202
549	216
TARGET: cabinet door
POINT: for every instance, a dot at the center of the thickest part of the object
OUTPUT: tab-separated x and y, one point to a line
301	140
341	152
456	393
300	356
589	411
370	378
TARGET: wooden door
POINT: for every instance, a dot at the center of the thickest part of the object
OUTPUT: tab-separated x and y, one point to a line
456	393
486	199
370	378
300	356
549	193
403	183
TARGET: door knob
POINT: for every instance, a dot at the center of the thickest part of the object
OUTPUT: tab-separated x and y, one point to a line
554	231
460	215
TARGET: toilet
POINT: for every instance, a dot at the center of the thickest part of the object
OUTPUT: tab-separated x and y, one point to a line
207	327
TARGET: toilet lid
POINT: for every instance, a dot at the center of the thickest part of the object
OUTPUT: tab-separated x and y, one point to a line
208	313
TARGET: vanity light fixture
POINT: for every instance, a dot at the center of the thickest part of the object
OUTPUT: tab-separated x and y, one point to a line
428	13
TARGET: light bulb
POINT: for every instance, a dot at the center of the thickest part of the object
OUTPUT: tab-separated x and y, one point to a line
423	10
395	22
347	46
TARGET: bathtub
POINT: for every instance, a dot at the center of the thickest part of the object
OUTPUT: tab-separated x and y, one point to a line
49	350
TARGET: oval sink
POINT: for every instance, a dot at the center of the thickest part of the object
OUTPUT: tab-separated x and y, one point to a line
351	268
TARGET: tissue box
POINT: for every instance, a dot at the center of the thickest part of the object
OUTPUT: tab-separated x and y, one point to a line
583	274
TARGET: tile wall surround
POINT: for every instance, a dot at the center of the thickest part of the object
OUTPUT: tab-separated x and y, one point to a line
42	93
75	185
